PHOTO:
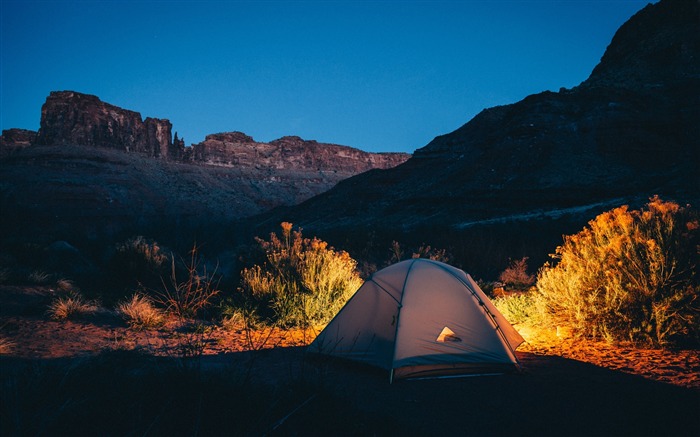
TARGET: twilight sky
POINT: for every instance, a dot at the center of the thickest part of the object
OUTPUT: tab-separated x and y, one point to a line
377	75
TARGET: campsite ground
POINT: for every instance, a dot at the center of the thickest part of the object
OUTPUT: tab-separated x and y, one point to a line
567	386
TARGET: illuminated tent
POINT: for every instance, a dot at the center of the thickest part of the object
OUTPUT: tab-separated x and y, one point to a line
422	318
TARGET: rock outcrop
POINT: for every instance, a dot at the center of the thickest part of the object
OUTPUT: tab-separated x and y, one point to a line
77	170
236	149
13	140
68	117
71	118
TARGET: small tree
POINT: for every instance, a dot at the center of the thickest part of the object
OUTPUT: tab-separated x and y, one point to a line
629	275
302	282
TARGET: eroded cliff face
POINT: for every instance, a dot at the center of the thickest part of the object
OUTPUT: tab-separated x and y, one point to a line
13	140
117	175
68	117
236	149
74	118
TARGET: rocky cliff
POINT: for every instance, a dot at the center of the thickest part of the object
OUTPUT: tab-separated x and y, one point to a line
68	117
74	118
13	140
76	170
236	149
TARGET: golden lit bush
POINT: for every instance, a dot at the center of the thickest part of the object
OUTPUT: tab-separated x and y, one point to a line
140	313
629	275
519	308
303	281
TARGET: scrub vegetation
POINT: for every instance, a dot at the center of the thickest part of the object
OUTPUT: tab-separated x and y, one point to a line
301	282
629	275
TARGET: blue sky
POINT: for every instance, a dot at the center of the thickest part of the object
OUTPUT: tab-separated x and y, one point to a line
377	75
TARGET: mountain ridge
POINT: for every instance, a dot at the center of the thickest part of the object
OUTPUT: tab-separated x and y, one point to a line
622	135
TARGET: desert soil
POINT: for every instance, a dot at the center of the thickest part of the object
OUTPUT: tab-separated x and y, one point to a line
567	386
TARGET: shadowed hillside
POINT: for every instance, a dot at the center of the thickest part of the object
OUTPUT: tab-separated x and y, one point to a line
549	163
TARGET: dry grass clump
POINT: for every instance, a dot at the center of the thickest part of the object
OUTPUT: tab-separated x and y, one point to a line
39	277
71	305
629	275
302	282
139	312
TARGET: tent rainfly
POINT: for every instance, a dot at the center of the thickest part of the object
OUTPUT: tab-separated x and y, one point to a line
422	318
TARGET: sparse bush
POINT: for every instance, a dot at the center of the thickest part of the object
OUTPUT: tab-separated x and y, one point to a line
516	276
629	275
139	261
186	298
72	305
396	253
140	313
66	285
519	308
302	282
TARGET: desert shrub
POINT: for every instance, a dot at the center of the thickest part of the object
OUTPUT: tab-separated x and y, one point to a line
516	275
396	253
629	275
140	313
71	305
187	296
139	261
302	281
519	308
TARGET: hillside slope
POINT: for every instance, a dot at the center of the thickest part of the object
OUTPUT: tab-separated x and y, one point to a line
628	132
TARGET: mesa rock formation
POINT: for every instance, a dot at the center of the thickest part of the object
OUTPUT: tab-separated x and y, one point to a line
236	149
105	168
72	118
68	117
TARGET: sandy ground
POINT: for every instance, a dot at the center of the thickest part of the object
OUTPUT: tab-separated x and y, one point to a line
567	387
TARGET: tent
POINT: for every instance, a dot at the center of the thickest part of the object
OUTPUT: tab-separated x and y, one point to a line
421	318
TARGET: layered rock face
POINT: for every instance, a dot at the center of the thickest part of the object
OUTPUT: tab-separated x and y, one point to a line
69	117
13	140
73	118
236	149
58	181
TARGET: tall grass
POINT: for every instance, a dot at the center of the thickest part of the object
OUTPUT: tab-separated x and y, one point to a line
629	275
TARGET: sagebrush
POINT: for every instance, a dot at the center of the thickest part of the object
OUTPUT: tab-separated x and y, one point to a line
629	275
302	282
